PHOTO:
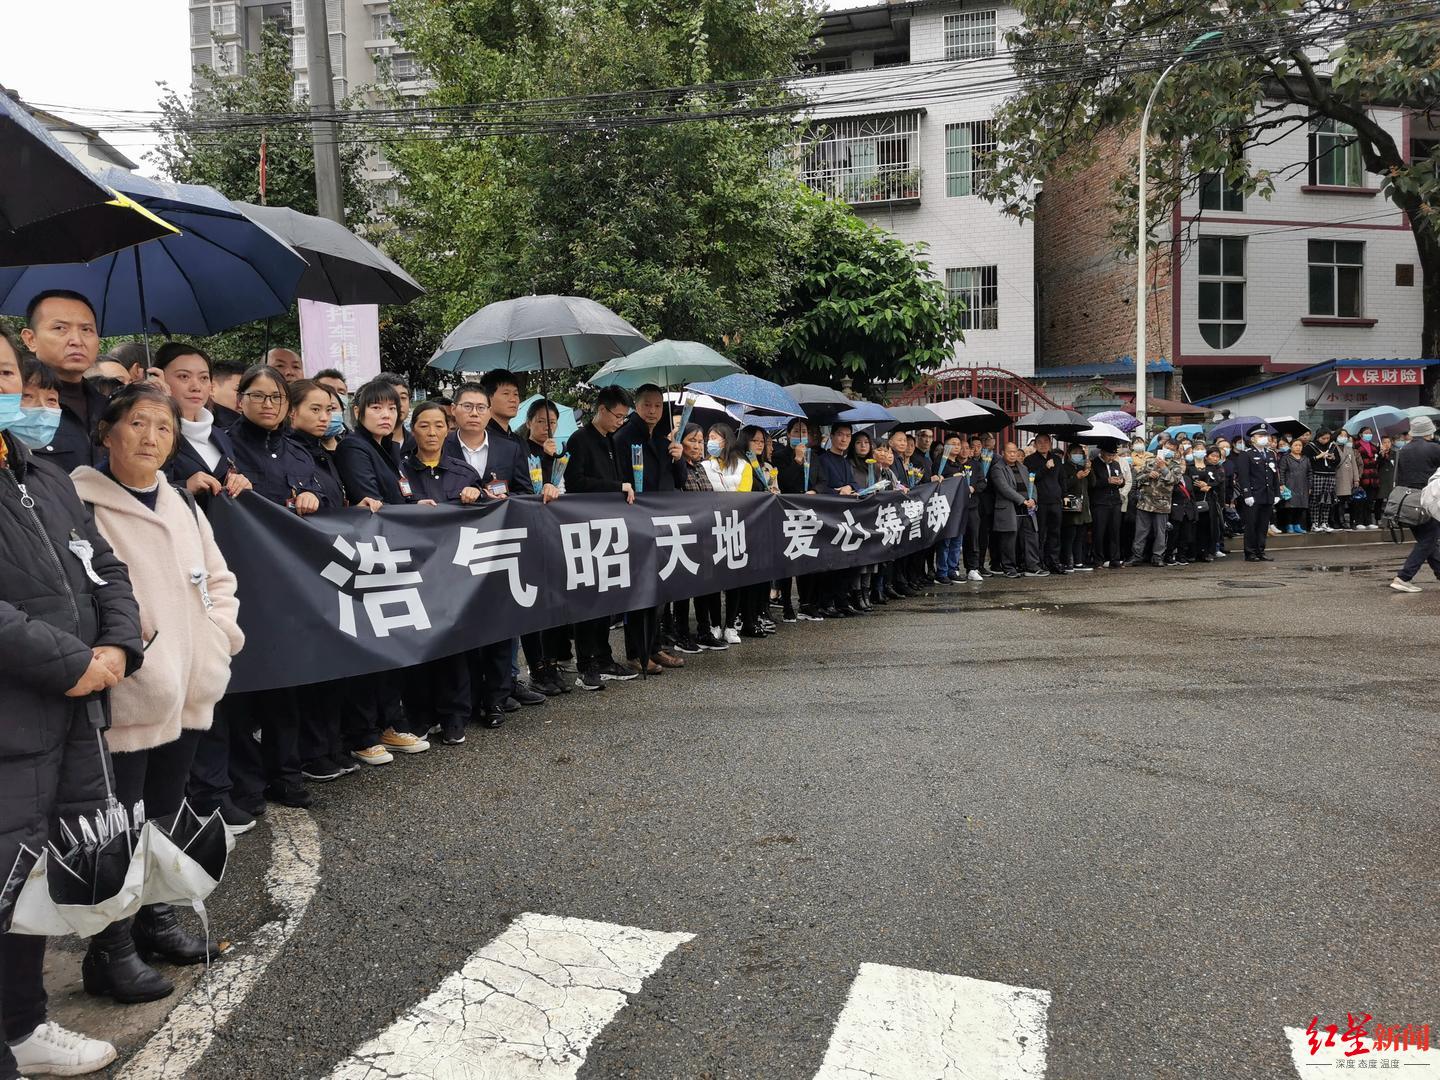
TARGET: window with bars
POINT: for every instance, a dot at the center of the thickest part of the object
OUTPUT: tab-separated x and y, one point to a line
1335	154
968	149
404	66
1222	290
200	26
382	25
227	59
867	159
976	290
1337	278
223	19
201	58
1215	194
969	34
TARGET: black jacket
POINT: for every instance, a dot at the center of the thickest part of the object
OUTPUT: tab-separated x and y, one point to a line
371	470
1416	462
273	463
829	472
1047	481
444	481
1102	492
224	418
51	613
507	461
327	474
74	443
187	460
660	473
791	473
1256	475
594	463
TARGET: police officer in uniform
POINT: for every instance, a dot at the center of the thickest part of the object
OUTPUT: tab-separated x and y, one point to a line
1257	491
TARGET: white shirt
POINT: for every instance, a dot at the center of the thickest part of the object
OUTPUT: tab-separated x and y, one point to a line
477	459
197	434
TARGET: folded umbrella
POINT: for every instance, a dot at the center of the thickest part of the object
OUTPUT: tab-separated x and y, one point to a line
341	267
1061	423
220	271
754	394
537	333
52	208
665	363
25	860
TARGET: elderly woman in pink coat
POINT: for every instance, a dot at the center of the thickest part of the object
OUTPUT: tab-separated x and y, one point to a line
188	614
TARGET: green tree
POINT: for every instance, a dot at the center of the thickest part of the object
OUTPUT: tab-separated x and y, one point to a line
863	303
1089	66
213	138
678	226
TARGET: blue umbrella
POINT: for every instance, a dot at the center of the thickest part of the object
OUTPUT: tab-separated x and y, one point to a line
1237	428
1175	431
1385	419
865	412
222	270
755	394
566	426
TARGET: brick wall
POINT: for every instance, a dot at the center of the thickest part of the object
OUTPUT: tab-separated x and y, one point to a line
1086	291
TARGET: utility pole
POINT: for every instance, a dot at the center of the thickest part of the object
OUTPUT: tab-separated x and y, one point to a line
323	134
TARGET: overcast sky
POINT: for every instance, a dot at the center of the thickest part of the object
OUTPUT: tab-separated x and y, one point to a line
96	55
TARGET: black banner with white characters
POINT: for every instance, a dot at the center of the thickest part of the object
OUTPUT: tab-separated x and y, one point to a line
347	592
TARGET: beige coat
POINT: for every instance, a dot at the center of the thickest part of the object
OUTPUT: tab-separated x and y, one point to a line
187	665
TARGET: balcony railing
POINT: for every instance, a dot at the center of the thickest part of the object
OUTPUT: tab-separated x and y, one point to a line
865	160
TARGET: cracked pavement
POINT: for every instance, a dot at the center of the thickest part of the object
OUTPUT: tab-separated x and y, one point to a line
1193	815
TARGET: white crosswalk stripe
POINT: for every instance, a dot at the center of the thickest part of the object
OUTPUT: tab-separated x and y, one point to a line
899	1024
527	1005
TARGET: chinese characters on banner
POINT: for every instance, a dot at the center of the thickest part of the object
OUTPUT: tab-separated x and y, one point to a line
347	338
1379	376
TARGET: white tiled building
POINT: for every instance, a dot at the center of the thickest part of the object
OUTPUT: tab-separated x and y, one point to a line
901	103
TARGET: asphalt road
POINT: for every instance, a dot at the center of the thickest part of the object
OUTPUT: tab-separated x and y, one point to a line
1194	813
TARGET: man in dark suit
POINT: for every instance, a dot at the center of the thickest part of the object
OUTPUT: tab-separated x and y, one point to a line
63	333
1257	491
1013	522
1045	462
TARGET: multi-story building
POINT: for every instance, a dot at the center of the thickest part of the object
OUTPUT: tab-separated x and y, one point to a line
902	98
1241	288
223	33
87	144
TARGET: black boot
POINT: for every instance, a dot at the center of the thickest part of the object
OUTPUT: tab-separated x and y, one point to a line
112	967
158	933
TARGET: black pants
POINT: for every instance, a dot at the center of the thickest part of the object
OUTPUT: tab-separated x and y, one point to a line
322	711
1257	525
642	633
592	643
438	692
533	644
158	775
1048	519
1072	544
230	765
987	530
1106	530
1180	543
1002	549
490	676
373	705
1205	538
971	550
1426	550
63	784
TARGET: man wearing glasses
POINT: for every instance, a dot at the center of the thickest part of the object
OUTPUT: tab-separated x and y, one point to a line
595	466
498	461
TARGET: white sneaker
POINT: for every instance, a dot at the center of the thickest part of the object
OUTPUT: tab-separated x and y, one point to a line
731	636
974	575
51	1050
1400	585
1372	528
1274	531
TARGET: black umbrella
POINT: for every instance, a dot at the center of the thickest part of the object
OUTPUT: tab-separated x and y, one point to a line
537	333
909	417
343	268
1061	423
1288	426
971	415
820	403
52	209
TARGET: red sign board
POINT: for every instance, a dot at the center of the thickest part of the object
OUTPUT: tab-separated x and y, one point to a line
1379	376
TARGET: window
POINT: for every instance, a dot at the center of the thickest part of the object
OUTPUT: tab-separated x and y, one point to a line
863	160
1222	290
201	58
1335	155
404	66
1337	278
969	34
200	26
227	59
382	26
976	287
1215	195
225	18
967	156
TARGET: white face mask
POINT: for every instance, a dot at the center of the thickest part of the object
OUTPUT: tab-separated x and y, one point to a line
1262	441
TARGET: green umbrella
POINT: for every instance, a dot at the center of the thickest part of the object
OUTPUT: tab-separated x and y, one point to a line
665	363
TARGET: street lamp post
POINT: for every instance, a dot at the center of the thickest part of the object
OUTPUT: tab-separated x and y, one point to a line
1142	293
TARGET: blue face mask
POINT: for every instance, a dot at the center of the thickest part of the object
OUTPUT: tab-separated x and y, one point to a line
1367	438
1190	457
1401	443
9	410
1167	454
712	448
1078	459
36	427
337	426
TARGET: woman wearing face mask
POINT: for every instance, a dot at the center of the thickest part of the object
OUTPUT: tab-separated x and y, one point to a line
1180	542
1324	459
39	418
1347	480
190	629
204	463
1075	518
1295	476
1368	455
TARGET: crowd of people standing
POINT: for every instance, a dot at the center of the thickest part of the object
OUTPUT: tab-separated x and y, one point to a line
112	586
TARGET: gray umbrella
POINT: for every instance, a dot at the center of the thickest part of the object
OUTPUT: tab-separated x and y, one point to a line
343	269
538	333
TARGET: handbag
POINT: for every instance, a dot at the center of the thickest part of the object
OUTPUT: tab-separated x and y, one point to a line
1403	507
1072	504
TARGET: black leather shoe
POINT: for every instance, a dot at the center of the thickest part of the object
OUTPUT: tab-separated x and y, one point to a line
526	695
112	968
1264	558
158	933
510	705
493	718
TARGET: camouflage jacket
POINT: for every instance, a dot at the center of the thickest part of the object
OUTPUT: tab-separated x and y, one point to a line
1155	481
